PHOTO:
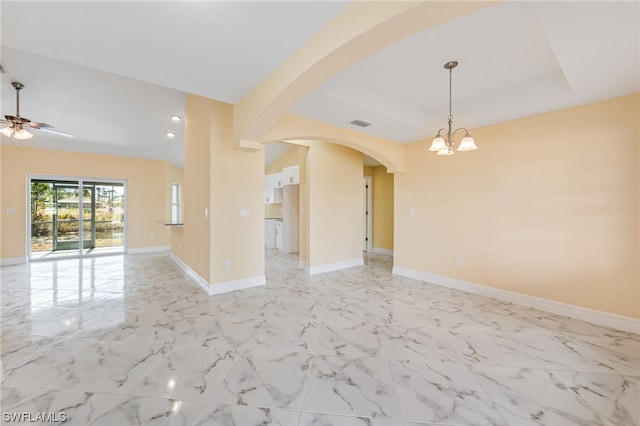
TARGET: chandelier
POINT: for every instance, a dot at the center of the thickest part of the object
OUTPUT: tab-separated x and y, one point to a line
444	144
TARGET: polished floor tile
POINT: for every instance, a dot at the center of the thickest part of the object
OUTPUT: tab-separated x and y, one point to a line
128	340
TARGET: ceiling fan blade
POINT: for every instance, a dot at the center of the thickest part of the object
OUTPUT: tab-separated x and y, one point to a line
37	125
54	131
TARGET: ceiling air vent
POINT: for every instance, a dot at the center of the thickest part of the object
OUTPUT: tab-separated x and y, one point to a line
360	123
2	69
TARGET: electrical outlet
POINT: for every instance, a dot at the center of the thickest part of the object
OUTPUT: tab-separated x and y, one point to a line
151	236
227	264
206	212
411	212
458	262
179	245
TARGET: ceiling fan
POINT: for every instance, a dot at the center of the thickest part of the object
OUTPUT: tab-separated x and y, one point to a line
17	125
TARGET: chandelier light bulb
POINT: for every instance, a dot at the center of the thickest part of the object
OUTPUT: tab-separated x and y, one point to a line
437	144
467	144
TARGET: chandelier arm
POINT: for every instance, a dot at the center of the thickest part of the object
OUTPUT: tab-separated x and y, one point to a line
460	128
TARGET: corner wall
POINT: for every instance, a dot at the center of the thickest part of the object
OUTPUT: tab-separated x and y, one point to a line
237	183
548	207
193	238
334	211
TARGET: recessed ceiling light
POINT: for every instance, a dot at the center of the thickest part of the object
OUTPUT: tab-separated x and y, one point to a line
176	117
170	134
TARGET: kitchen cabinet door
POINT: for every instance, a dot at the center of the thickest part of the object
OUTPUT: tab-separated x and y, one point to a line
291	175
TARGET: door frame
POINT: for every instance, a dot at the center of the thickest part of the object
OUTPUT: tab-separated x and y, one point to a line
80	179
368	213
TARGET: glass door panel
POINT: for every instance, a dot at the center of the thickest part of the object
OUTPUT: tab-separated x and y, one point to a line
66	220
42	212
88	217
107	226
59	207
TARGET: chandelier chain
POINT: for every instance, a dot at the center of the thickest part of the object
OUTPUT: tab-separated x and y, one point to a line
444	143
450	101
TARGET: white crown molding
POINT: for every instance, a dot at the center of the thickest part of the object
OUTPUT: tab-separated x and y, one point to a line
597	317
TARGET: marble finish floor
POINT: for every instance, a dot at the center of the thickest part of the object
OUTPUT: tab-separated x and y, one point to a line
125	340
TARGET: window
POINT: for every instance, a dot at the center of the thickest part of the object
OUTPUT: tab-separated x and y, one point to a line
175	203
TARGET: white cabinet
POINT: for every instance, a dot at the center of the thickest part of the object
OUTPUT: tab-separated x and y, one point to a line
291	175
270	233
279	234
290	218
273	192
277	177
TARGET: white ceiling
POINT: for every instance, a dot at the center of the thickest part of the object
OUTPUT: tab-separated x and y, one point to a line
113	72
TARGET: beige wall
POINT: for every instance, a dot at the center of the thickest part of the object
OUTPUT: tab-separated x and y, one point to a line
273	210
237	182
287	159
194	237
146	190
334	215
548	206
223	180
382	208
303	245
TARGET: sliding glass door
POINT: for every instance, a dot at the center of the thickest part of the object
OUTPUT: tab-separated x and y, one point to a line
76	217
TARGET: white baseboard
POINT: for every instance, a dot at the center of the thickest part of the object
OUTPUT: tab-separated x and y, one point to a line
313	270
597	317
154	249
12	261
381	250
191	273
237	285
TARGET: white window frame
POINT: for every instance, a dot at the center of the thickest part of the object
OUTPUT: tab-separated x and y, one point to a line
176	200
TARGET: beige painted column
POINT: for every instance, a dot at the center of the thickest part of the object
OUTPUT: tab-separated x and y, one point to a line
223	237
195	246
334	213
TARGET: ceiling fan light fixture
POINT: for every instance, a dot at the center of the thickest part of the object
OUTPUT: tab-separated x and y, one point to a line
22	134
12	132
7	131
